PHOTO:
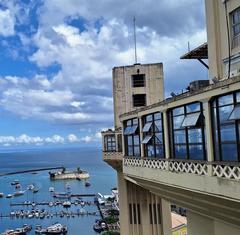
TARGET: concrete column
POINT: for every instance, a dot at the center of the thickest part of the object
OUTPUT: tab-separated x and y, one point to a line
116	141
141	137
145	213
166	217
199	225
123	204
208	134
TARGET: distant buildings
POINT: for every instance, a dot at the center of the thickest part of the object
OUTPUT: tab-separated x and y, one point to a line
184	150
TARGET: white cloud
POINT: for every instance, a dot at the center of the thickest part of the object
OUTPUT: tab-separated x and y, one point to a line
87	139
7	22
55	139
72	138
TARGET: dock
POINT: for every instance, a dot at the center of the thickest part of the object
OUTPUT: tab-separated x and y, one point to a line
31	170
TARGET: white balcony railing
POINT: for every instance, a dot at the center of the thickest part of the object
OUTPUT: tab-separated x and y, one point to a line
219	170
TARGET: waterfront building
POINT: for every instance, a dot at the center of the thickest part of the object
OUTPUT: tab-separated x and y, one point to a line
183	150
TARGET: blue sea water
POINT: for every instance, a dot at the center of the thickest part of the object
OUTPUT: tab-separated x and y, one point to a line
102	179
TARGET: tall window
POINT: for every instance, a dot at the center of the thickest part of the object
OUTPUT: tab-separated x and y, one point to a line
235	16
187	124
226	127
110	143
138	80
132	138
153	135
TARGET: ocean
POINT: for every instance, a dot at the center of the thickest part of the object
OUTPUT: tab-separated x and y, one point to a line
102	179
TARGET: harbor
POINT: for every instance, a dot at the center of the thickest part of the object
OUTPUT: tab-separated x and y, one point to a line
32	198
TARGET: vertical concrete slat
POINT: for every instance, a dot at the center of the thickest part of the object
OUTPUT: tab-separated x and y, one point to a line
208	133
166	217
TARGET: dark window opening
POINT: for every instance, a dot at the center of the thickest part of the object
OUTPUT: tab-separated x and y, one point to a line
130	213
139	100
138	80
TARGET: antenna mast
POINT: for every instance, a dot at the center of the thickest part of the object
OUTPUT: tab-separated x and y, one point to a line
135	39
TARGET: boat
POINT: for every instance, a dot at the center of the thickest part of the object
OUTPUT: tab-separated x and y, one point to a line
51	189
19	231
87	184
8	232
9	196
35	190
18	186
62	195
18	193
53	229
1	195
99	226
15	182
31	187
67	204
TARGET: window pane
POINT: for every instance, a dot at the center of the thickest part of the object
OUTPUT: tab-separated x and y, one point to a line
159	151
158	125
127	130
227	99
133	130
130	150
180	151
135	121
150	151
235	115
196	152
229	152
191	120
177	122
129	122
238	97
224	113
157	116
129	140
180	137
136	151
146	139
149	118
193	107
159	138
195	136
228	133
136	140
178	111
147	127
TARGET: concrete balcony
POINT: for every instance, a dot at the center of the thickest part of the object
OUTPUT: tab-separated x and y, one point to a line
208	188
114	159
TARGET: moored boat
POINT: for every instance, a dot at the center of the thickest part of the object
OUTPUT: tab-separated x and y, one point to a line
87	184
15	182
53	229
18	193
67	204
9	196
1	195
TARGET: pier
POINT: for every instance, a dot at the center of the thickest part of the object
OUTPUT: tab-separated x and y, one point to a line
31	170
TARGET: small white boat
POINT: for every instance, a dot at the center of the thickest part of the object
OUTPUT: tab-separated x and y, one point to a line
18	193
9	196
15	182
53	229
51	189
1	195
67	204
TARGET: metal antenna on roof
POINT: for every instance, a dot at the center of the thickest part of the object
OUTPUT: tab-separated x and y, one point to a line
135	38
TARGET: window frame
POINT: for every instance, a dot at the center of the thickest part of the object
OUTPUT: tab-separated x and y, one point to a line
187	144
220	124
235	38
110	146
134	102
153	131
136	84
127	137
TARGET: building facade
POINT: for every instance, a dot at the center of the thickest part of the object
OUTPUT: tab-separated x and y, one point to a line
184	150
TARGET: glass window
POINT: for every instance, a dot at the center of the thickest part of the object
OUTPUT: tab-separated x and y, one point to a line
158	125
130	151
146	139
235	115
177	122
229	152
196	152
195	135
149	118
180	137
224	113
157	116
133	130
224	100
178	111
191	120
127	130
238	97
136	151
193	107
181	151
147	127
150	151
228	133
136	140
159	151
159	137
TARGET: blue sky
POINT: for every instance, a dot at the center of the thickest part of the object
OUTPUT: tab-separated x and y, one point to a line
56	58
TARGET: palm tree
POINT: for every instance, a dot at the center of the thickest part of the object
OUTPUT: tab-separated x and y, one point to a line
63	169
79	170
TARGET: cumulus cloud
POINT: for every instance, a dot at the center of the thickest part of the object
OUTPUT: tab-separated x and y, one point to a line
7	22
73	138
80	90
